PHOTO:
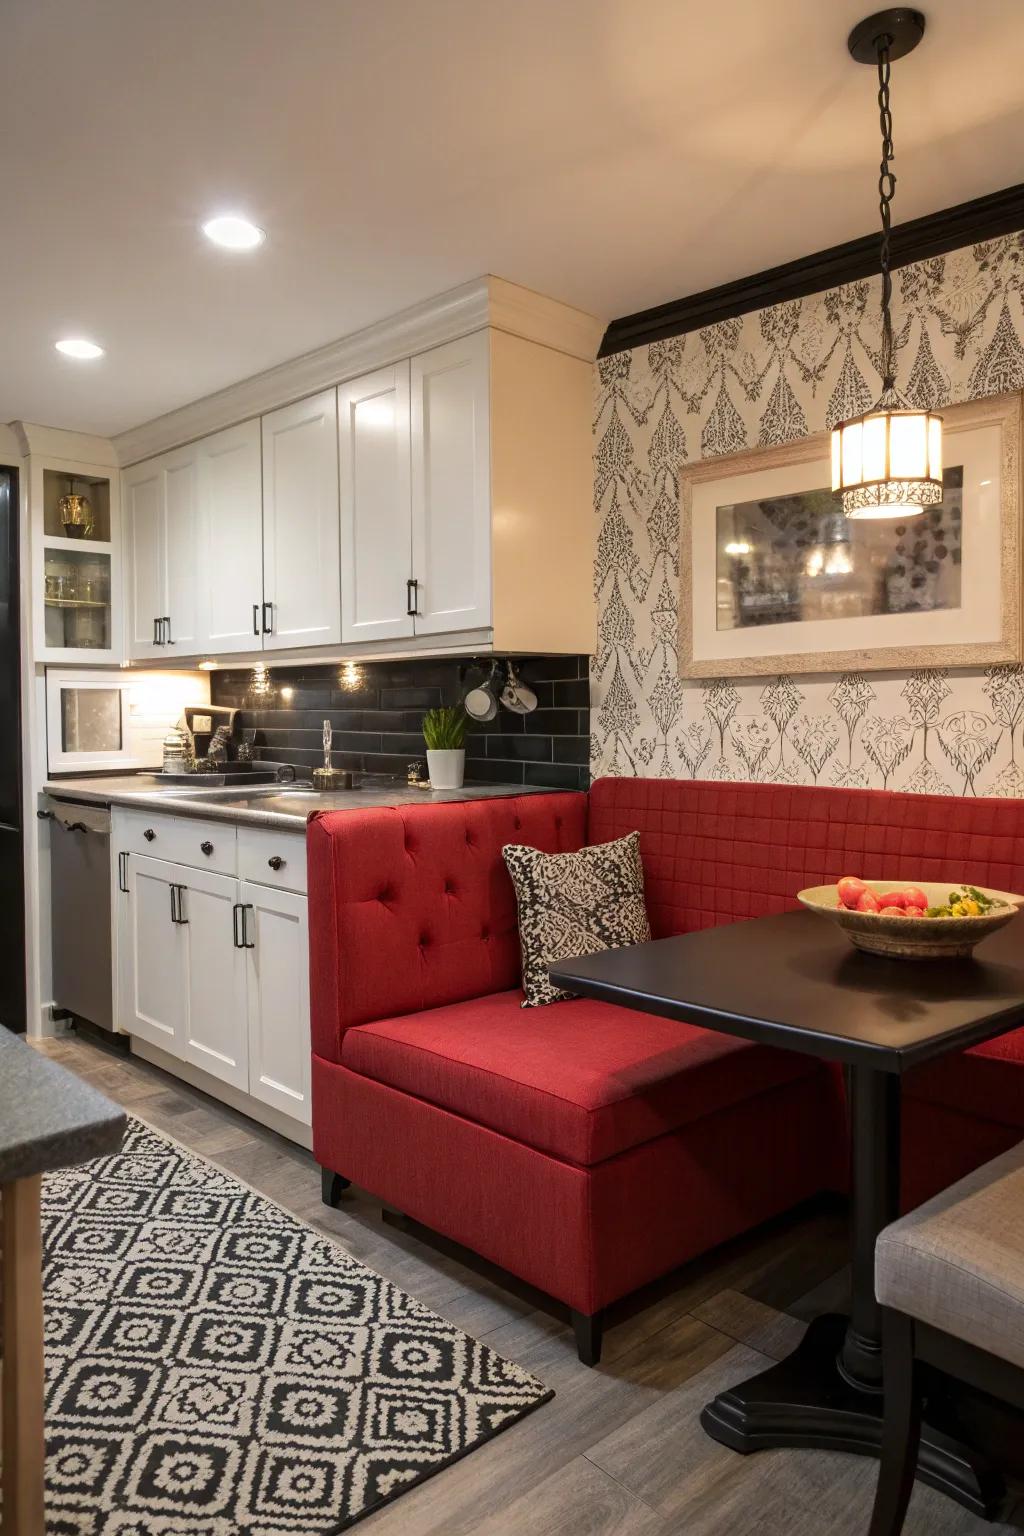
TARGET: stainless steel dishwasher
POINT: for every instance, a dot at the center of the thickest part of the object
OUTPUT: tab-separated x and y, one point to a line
80	909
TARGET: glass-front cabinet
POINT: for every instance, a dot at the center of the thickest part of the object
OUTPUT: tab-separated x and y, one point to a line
76	562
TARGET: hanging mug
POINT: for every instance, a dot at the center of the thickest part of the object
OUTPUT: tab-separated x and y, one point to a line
480	703
516	696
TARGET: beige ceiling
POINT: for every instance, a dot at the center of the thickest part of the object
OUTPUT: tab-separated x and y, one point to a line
611	153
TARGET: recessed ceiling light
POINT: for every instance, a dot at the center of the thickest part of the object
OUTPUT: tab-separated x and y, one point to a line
77	346
234	232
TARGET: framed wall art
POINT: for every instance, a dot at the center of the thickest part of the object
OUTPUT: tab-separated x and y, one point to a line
775	578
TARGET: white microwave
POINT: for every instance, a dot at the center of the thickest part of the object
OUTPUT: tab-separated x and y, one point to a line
98	721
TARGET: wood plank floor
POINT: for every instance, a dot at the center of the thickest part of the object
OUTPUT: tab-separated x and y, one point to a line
619	1452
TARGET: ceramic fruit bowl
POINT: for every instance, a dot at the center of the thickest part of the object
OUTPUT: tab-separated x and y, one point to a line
911	935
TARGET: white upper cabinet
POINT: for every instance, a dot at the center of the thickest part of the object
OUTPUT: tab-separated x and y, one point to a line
145	526
451	486
442	500
181	545
162	522
301	575
376	528
231	540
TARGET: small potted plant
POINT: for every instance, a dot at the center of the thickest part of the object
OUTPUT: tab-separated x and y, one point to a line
444	731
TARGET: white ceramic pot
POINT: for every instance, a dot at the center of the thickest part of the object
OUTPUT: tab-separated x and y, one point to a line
446	768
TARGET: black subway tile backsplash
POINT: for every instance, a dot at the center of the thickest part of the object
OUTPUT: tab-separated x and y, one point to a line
575	695
376	711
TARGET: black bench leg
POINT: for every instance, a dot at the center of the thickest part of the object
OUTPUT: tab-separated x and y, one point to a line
588	1330
331	1186
901	1429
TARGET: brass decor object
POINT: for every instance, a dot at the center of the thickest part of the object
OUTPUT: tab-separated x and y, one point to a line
76	516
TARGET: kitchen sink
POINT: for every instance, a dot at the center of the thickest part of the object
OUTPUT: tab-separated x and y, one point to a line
267	797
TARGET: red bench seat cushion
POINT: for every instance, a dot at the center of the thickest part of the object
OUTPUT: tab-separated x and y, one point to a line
987	1080
581	1080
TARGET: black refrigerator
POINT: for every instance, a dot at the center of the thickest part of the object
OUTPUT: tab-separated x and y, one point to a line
12	868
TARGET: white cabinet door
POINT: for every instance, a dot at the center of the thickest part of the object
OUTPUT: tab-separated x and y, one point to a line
231	540
451	486
142	489
278	996
301	578
181	513
215	1016
376	527
152	956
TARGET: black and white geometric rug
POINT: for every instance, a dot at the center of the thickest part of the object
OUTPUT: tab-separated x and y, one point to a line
215	1366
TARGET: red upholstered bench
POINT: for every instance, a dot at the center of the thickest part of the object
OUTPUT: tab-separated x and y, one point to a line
585	1148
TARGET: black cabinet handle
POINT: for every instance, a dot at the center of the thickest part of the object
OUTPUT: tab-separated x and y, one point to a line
268	624
156	632
276	861
255	618
412	597
167	636
177	907
206	847
122	872
238	912
149	834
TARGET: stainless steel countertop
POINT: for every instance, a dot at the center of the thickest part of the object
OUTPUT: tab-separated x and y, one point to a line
260	806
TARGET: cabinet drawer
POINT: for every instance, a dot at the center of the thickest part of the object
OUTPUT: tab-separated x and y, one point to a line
181	839
277	859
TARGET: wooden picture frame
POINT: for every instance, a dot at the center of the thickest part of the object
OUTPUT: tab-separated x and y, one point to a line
984	435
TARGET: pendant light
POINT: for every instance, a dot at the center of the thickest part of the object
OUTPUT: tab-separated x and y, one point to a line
888	462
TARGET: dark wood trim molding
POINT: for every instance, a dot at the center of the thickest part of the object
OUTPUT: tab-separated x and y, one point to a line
981	219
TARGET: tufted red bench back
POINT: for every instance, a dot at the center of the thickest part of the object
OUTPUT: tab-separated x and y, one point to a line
715	853
412	908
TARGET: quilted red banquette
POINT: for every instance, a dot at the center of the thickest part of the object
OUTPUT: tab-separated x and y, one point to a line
587	1148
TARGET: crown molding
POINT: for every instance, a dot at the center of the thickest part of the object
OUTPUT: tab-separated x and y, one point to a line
485	301
70	447
983	218
521	312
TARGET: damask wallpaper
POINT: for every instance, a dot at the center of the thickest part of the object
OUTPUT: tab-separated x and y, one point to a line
767	378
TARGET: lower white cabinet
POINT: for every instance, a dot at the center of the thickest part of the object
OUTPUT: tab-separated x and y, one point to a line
216	1037
213	969
151	993
277	960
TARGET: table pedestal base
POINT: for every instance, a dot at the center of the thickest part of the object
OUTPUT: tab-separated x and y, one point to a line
804	1401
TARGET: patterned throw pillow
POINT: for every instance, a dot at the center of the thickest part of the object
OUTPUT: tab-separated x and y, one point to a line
575	904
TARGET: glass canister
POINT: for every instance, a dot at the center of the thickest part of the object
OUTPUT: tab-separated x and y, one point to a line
176	753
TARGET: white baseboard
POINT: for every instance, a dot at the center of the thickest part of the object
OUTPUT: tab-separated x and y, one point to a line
263	1114
48	1027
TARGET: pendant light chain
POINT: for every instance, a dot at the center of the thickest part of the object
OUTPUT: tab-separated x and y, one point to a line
887	460
886	192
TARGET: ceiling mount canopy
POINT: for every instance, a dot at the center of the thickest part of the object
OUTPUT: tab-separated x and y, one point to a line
887	462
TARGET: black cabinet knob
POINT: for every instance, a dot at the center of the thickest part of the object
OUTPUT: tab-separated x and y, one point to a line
276	861
149	834
206	847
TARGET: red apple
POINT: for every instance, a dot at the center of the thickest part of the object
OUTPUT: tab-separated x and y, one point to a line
892	898
913	896
850	889
867	901
893	912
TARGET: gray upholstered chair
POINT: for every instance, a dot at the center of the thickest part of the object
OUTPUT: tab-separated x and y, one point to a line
950	1278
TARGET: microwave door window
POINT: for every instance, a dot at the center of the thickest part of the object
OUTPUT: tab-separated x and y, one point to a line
91	720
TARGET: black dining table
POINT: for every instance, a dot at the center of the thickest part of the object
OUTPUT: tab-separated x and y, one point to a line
793	980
